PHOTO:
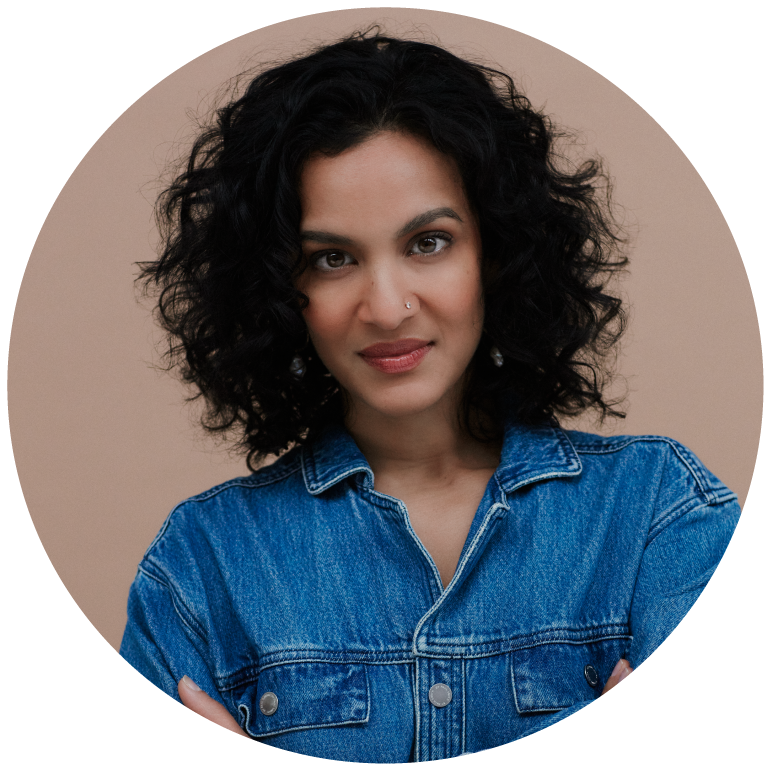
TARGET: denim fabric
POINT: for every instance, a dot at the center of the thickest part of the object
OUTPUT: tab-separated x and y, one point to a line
304	581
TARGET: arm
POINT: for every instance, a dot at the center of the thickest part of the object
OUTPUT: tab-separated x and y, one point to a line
168	651
160	643
682	552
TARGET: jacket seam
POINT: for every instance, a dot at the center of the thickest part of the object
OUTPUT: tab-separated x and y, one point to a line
213	493
709	492
290	729
586	632
176	602
240	482
679	512
504	649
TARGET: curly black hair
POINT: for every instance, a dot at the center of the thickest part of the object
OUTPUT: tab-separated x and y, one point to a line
230	247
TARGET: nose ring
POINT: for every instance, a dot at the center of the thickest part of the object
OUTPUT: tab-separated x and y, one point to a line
407	305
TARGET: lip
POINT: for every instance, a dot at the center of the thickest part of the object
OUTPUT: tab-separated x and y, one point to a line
396	348
398	356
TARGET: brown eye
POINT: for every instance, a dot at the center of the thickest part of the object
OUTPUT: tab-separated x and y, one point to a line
331	261
334	260
426	245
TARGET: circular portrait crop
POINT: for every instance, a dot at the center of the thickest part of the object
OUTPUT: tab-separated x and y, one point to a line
391	408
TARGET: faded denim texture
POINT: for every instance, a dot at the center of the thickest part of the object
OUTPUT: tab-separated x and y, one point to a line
304	581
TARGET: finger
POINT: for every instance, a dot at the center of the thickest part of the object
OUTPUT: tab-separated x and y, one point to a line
620	671
201	703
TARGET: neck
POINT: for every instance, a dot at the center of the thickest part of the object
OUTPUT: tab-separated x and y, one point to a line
428	443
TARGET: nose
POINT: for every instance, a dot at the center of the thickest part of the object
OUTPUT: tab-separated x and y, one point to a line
385	297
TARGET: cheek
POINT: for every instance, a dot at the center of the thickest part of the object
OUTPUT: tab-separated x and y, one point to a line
327	319
460	300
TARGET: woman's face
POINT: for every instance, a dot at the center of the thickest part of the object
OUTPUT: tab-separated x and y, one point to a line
393	278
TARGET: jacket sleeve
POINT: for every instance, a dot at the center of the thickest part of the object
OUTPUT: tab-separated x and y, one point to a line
681	554
160	642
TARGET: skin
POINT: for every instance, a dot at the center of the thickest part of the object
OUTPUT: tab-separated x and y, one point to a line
358	208
384	224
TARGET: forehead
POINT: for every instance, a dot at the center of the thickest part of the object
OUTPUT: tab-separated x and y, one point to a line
391	176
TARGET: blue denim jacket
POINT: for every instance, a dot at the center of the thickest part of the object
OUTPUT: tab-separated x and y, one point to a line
303	581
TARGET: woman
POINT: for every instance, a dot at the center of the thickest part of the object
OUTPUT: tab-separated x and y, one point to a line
376	266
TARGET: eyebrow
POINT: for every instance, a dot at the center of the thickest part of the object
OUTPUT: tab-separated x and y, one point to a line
324	236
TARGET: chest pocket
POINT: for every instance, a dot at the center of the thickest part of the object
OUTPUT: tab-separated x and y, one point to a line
554	676
290	697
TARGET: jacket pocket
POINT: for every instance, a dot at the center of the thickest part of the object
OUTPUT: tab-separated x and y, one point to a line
290	697
553	676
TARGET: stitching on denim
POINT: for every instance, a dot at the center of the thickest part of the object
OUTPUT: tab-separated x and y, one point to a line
568	448
537	728
308	467
606	445
552	474
536	637
341	661
247	482
463	708
369	697
251	674
395	503
240	482
177	603
503	645
680	510
491	513
678	513
342	475
522	710
384	654
290	729
514	686
305	461
535	710
729	495
371	657
701	480
384	658
710	492
505	650
418	715
244	710
241	677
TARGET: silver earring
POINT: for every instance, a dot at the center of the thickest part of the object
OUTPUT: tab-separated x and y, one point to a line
407	305
297	367
496	356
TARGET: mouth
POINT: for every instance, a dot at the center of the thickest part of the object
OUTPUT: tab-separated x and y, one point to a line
396	348
398	356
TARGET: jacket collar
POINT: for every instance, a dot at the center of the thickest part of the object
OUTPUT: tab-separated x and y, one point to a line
529	454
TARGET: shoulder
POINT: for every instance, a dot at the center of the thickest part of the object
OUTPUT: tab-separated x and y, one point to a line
230	509
657	459
271	476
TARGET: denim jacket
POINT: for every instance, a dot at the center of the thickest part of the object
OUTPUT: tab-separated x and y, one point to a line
301	598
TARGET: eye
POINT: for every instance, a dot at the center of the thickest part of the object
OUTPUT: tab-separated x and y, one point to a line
329	261
431	243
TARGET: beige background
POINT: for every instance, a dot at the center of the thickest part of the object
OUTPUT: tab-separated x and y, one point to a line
104	444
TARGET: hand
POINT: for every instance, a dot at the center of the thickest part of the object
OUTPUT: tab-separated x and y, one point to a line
620	671
203	704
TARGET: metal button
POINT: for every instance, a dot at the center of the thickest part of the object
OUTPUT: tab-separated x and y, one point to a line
590	673
440	695
268	703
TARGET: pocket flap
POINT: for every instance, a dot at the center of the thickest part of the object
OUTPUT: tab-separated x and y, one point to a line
553	676
305	695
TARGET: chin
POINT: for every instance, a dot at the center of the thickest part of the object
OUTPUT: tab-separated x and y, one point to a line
399	401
